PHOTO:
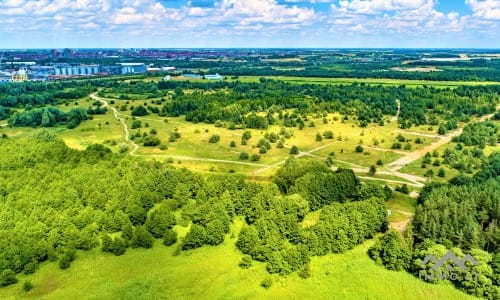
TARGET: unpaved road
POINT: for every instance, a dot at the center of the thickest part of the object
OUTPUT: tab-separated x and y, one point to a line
122	121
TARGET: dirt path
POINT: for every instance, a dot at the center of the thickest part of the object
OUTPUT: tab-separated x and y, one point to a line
301	153
391	181
136	147
396	117
435	136
412	156
386	150
182	157
122	121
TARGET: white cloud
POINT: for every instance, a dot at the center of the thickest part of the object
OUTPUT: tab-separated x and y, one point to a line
243	20
488	9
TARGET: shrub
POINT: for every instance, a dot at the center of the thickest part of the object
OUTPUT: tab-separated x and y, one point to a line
27	286
214	139
266	283
294	150
255	157
7	277
391	251
151	141
169	238
243	156
359	149
246	262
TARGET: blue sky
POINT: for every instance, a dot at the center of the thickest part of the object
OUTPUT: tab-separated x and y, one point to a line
249	23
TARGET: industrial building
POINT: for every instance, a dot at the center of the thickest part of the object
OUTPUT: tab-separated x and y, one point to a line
133	68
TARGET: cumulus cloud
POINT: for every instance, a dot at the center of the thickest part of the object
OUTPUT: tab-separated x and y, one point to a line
488	9
277	20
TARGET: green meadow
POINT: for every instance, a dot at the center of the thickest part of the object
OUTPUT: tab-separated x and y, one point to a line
213	273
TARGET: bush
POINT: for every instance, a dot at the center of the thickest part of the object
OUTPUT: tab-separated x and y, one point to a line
169	238
359	149
294	150
305	272
195	238
246	262
328	135
391	251
244	156
136	124
27	286
214	139
66	259
151	141
266	283
372	170
118	246
7	277
255	157
139	111
141	238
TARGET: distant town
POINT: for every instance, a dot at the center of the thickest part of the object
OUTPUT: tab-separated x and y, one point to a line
20	65
47	65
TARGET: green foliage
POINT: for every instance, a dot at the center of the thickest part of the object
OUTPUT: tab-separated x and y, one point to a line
246	262
391	251
7	277
266	283
139	111
372	170
294	150
169	238
195	238
27	286
214	139
462	216
244	156
159	220
67	258
142	238
151	141
136	124
118	246
48	117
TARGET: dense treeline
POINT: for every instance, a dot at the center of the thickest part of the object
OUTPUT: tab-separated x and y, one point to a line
49	117
366	70
461	217
234	102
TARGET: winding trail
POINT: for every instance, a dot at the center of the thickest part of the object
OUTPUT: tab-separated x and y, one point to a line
396	117
122	121
301	153
136	147
394	167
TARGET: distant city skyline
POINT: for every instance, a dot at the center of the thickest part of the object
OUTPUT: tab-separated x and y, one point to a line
250	24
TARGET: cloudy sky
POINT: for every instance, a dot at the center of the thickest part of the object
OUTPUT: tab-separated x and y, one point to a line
249	23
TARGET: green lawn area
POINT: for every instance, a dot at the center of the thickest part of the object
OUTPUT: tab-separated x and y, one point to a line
371	81
213	273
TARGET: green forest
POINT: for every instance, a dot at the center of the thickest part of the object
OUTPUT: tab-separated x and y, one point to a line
55	201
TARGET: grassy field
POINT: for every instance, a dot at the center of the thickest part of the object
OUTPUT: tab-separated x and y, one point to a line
213	273
371	81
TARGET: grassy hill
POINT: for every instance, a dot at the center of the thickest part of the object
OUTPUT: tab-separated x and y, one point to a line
213	273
